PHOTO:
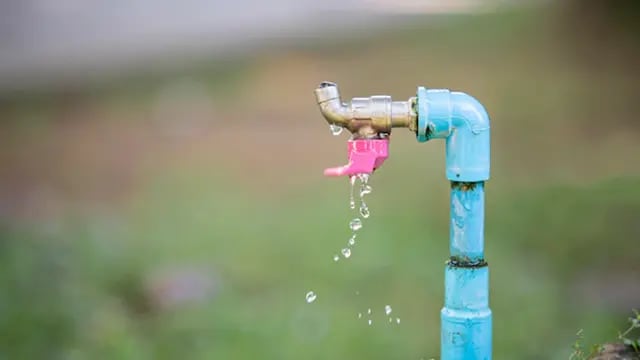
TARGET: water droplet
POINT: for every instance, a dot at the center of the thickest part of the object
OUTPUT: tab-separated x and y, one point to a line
336	257
311	297
387	309
364	210
397	320
370	321
365	190
369	311
359	315
335	129
390	319
352	240
355	224
364	178
346	252
352	202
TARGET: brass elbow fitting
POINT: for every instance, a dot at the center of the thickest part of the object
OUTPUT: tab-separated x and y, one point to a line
365	117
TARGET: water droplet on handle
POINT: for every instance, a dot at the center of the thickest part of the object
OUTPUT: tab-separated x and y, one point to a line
346	252
335	129
311	297
387	309
355	224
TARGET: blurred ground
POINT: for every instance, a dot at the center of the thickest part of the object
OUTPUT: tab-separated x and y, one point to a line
185	215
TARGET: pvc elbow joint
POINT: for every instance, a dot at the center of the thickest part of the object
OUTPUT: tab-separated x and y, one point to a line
463	122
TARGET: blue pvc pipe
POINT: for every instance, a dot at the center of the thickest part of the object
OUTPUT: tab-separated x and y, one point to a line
466	320
466	317
467	222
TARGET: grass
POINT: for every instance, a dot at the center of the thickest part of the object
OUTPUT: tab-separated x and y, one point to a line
628	345
83	283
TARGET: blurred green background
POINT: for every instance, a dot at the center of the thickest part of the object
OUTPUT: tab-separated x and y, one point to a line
183	213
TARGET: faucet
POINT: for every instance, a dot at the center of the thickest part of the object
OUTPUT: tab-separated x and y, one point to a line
459	119
369	119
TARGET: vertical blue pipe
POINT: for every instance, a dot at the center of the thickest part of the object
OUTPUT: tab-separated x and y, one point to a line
466	317
466	320
467	222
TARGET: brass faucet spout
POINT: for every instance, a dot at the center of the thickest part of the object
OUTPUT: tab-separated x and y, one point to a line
365	117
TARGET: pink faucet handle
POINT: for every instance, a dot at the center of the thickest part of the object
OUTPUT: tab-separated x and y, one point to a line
365	155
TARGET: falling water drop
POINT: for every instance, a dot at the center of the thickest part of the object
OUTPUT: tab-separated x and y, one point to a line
397	320
352	202
311	297
365	190
390	319
346	252
369	311
352	240
355	224
370	321
336	257
364	210
359	315
387	309
335	129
